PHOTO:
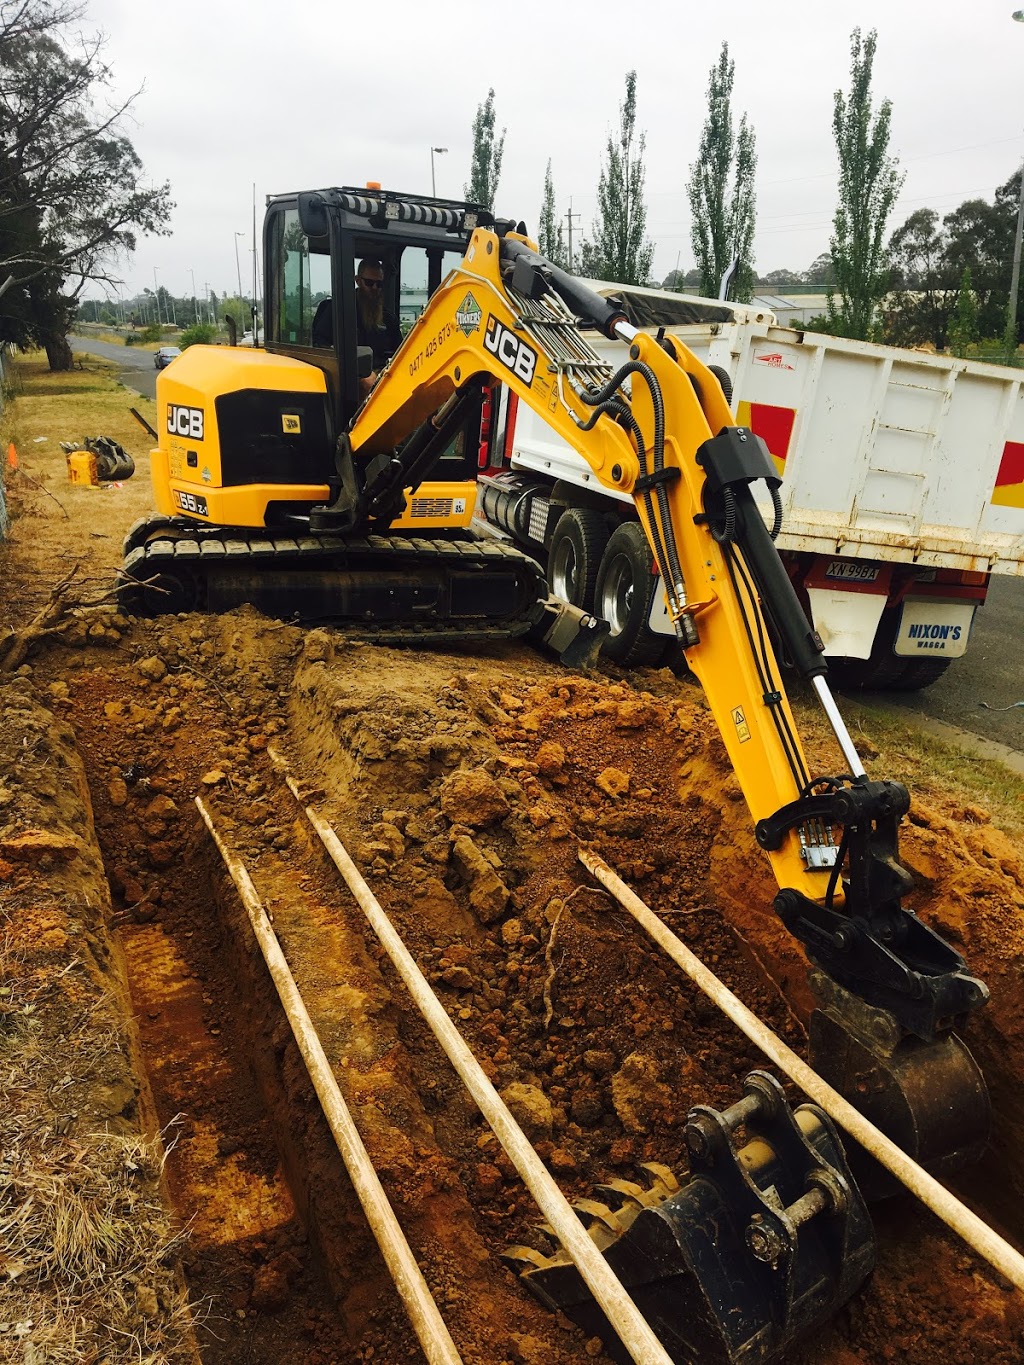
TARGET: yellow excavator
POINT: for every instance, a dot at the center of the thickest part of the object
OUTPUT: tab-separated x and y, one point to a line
281	481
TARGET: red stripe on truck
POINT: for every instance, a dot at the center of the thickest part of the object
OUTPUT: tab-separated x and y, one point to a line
1011	466
1009	489
774	425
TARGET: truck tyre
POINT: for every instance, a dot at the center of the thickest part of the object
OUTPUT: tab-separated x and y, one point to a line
921	673
882	670
623	594
574	555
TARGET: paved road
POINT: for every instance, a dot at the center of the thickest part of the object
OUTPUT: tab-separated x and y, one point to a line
136	367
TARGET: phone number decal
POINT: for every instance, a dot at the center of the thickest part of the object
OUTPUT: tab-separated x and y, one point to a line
444	334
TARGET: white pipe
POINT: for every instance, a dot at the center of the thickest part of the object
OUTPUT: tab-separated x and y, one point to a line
946	1206
835	719
632	1327
423	1312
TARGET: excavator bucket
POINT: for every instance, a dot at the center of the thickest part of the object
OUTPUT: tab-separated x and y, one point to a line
574	635
759	1246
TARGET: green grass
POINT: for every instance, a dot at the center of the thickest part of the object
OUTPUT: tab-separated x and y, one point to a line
934	769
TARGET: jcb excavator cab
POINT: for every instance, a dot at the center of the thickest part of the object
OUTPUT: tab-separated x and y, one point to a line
313	244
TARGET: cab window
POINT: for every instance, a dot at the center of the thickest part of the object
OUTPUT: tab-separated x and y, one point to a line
420	274
302	278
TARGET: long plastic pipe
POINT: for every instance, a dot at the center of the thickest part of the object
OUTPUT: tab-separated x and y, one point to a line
632	1327
946	1206
423	1312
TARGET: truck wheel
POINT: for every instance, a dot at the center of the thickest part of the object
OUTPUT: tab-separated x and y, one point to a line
622	596
574	556
882	670
921	673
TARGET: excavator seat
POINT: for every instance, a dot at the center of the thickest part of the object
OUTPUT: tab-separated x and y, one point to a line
322	332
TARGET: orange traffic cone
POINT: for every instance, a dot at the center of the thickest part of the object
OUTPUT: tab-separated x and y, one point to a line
12	456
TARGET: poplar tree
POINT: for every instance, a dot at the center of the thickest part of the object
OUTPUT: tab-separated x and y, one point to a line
620	250
550	236
485	169
721	189
869	181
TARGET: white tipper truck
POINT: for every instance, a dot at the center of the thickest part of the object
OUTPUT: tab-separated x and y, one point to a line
902	492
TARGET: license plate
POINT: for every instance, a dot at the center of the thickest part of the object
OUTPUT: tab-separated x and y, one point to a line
929	629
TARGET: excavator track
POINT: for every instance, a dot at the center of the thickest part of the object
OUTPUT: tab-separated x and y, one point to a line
392	589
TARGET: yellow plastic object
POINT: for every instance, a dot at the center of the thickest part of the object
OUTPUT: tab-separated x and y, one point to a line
82	468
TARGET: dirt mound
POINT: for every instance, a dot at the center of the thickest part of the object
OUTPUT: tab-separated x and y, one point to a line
463	787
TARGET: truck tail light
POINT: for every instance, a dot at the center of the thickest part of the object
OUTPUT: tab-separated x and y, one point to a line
483	458
510	428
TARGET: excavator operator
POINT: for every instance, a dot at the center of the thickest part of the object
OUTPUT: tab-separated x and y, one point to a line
376	326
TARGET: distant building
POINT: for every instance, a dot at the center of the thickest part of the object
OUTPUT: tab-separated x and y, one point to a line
792	309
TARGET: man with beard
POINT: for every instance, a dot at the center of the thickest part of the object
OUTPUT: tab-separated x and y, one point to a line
375	326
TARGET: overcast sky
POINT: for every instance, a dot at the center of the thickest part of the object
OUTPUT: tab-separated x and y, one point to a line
322	92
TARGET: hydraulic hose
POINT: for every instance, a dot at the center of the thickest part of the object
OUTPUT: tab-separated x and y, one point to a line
670	559
616	408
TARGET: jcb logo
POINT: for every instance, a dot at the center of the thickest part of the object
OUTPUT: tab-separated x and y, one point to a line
182	421
514	354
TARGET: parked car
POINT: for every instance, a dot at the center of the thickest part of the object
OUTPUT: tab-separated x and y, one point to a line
164	356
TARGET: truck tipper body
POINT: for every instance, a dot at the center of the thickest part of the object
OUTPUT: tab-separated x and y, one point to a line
902	489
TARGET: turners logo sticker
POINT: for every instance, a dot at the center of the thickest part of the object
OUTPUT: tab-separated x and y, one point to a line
468	315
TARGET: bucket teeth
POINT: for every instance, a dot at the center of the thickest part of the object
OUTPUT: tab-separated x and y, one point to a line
663	1181
589	1212
520	1258
683	1253
623	1194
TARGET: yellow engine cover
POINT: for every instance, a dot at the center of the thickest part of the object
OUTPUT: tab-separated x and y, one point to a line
238	429
242	428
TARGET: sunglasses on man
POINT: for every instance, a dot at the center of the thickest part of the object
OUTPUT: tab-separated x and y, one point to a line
371	284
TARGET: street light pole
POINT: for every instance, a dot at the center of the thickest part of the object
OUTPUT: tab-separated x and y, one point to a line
195	301
441	151
156	296
238	268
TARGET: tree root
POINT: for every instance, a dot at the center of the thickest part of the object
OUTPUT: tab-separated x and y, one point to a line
549	951
14	649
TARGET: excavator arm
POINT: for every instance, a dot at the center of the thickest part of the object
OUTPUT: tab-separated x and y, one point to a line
659	428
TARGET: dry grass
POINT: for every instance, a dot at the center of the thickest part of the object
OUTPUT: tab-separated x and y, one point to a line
66	407
87	1251
87	1248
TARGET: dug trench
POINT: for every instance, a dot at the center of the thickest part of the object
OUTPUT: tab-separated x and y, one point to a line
462	787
